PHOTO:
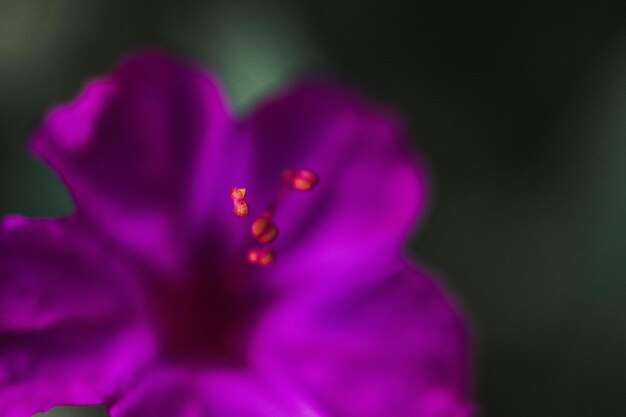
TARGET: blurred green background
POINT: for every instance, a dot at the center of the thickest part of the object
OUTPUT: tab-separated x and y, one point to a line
520	109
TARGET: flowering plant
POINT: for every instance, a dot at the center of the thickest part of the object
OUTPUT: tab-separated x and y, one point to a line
216	267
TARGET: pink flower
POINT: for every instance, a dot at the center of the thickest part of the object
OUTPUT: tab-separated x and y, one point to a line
148	300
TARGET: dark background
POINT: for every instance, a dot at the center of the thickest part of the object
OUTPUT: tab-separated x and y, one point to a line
520	109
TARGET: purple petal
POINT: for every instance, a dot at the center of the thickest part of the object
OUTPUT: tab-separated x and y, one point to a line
69	333
140	152
183	393
392	347
372	189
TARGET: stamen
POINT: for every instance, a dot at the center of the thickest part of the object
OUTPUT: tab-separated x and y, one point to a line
240	207
264	229
301	179
260	256
237	193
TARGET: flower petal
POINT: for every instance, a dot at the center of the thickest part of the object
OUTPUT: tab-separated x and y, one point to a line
69	333
393	347
182	393
371	189
140	152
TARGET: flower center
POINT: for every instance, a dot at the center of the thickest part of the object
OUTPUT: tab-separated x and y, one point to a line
207	315
263	228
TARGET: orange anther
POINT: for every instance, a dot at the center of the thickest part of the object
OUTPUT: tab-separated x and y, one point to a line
301	180
240	207
264	229
260	256
237	193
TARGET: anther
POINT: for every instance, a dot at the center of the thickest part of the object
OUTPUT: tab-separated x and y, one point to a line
264	229
240	207
237	193
260	256
301	179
